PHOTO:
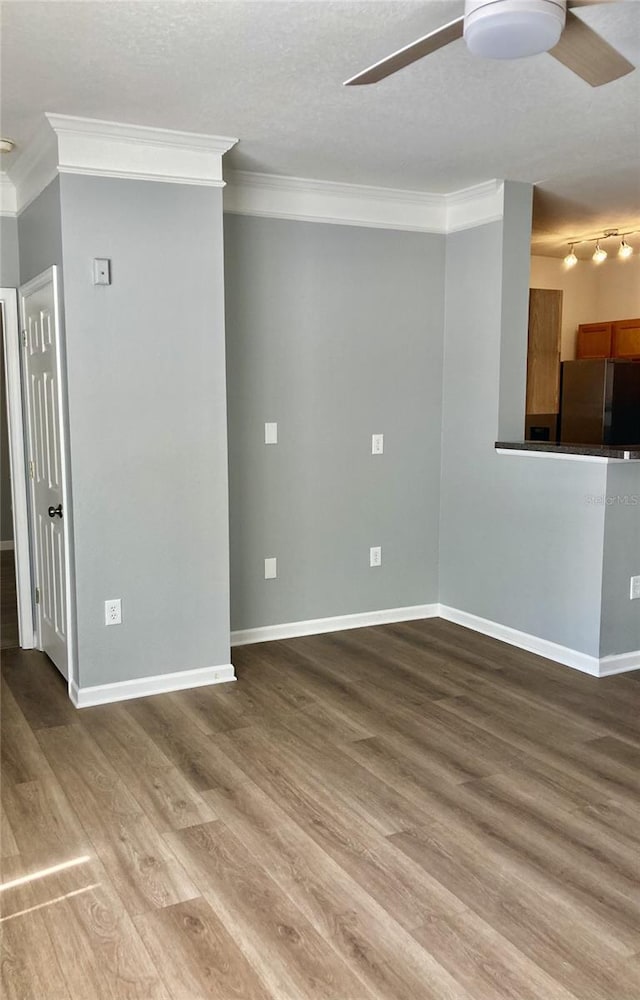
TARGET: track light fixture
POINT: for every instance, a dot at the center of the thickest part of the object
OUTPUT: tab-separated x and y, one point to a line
600	254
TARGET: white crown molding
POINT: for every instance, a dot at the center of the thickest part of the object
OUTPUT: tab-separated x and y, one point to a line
475	206
35	166
8	200
142	687
317	626
67	144
299	199
325	201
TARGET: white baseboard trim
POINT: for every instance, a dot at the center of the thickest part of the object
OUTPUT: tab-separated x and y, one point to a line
620	664
142	687
316	626
523	640
7	546
596	666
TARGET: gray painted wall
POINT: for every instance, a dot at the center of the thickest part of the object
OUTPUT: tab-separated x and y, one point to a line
9	263
519	544
334	332
620	629
40	234
6	520
147	412
9	278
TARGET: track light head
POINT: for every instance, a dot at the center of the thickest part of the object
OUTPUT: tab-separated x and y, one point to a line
599	254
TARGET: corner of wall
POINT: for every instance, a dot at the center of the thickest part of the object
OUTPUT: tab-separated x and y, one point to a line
516	265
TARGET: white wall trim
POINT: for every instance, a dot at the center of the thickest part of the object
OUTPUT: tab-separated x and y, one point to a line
317	626
531	643
143	687
112	149
7	545
34	167
474	206
620	664
596	666
17	465
306	200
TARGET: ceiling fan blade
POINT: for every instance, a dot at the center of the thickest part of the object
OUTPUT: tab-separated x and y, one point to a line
409	54
585	52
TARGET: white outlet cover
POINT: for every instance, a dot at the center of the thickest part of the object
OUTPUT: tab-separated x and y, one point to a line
375	555
377	444
634	588
270	568
271	433
113	612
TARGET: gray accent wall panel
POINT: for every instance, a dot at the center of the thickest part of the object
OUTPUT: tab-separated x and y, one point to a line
147	411
9	261
519	543
40	233
335	332
620	630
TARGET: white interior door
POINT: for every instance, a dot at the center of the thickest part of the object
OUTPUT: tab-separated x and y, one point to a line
41	336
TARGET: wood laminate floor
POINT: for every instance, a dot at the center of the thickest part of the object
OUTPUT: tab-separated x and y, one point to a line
407	812
8	601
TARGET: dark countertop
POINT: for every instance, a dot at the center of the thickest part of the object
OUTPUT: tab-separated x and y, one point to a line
626	452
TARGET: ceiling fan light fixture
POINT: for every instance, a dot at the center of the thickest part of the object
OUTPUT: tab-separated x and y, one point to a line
512	29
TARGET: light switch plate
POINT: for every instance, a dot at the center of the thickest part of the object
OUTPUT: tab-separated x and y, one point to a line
377	444
270	568
375	555
101	271
634	588
271	433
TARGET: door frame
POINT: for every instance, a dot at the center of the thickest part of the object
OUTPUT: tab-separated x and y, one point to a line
18	466
52	275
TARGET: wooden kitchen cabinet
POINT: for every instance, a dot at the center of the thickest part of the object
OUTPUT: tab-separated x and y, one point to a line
595	340
626	339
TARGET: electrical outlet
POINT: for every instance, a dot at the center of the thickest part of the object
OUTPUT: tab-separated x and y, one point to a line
377	444
270	569
375	555
113	612
634	588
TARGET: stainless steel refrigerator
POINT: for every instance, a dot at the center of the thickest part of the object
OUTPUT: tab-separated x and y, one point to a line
600	402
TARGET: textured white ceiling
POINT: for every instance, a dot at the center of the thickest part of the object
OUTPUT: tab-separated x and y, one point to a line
271	73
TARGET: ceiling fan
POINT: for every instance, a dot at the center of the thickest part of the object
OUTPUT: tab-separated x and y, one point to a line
511	29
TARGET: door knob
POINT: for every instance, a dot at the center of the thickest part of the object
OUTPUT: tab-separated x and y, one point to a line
55	511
